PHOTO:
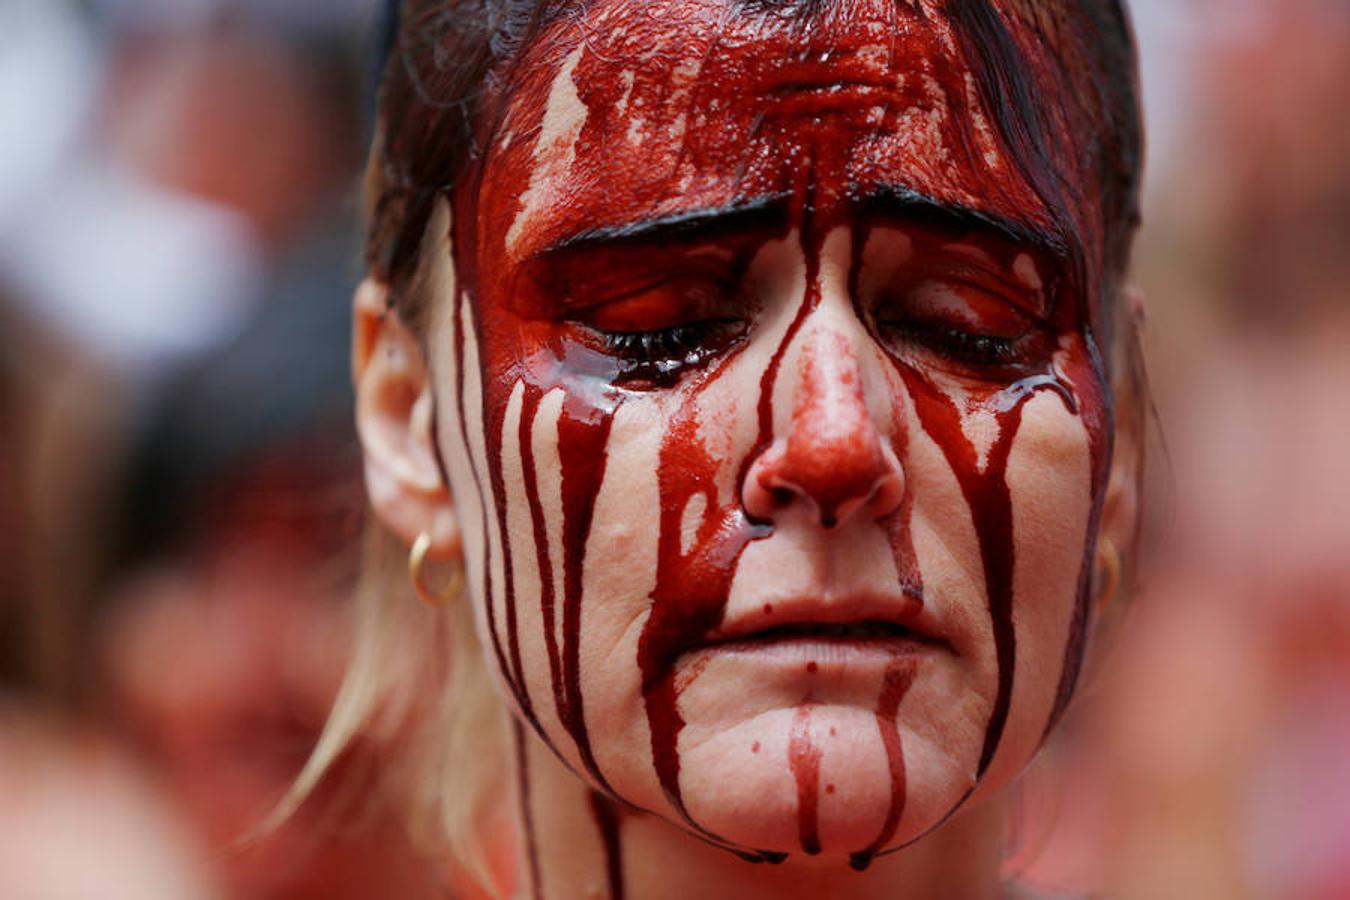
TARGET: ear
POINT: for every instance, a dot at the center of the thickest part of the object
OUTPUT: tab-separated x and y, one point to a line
394	415
1121	506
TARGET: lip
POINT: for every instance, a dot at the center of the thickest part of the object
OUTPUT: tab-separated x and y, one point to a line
838	628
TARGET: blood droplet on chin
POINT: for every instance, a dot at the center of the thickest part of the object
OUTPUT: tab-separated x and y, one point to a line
804	758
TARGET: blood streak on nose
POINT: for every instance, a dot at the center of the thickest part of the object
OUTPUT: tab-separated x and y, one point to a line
833	458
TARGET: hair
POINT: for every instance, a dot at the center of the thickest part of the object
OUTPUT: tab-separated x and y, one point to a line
424	686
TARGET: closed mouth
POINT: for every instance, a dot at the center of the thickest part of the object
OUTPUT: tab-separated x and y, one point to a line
836	626
834	641
866	630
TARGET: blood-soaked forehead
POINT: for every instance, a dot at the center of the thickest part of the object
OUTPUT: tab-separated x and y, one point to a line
649	110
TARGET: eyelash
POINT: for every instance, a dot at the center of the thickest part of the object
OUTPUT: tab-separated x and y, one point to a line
661	355
971	348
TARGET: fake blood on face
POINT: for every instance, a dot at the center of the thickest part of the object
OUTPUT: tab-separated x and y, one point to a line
804	758
738	109
899	677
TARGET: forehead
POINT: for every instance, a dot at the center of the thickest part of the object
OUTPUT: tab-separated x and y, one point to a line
635	111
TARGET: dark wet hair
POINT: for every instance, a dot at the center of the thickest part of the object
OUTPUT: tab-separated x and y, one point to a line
444	57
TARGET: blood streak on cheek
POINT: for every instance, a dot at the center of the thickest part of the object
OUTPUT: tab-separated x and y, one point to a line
689	599
459	388
508	355
544	563
514	674
1083	367
583	439
583	429
989	499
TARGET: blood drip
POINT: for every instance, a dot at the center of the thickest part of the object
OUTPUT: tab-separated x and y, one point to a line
692	590
515	674
804	758
899	677
583	438
606	816
1095	405
990	500
512	676
530	476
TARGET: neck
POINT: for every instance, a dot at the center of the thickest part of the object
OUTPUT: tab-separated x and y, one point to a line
576	843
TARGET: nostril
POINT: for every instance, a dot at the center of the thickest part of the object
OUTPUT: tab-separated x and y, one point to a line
888	494
832	462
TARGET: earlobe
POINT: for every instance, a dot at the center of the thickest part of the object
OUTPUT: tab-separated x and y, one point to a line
395	405
1137	304
1120	508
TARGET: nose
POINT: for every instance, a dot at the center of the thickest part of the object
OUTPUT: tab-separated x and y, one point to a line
833	462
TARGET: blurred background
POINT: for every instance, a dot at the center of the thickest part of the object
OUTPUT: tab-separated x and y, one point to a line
179	240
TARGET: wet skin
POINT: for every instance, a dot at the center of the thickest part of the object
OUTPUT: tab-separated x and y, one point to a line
768	395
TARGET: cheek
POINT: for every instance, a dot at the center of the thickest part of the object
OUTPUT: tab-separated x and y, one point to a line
1050	481
564	494
671	494
525	616
946	716
619	579
571	543
462	445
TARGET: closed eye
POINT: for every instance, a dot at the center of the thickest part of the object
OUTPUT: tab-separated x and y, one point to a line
659	356
961	324
969	347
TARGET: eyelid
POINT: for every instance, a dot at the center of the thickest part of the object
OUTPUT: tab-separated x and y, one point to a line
944	298
570	302
983	275
595	279
1024	300
661	305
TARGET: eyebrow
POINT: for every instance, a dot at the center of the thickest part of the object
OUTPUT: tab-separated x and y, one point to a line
769	213
764	214
905	203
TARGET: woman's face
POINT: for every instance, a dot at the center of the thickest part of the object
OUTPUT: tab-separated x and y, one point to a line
773	421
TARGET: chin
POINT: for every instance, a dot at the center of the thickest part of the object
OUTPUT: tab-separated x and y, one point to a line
818	782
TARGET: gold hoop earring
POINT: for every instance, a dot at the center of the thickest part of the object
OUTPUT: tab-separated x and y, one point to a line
1109	578
417	558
